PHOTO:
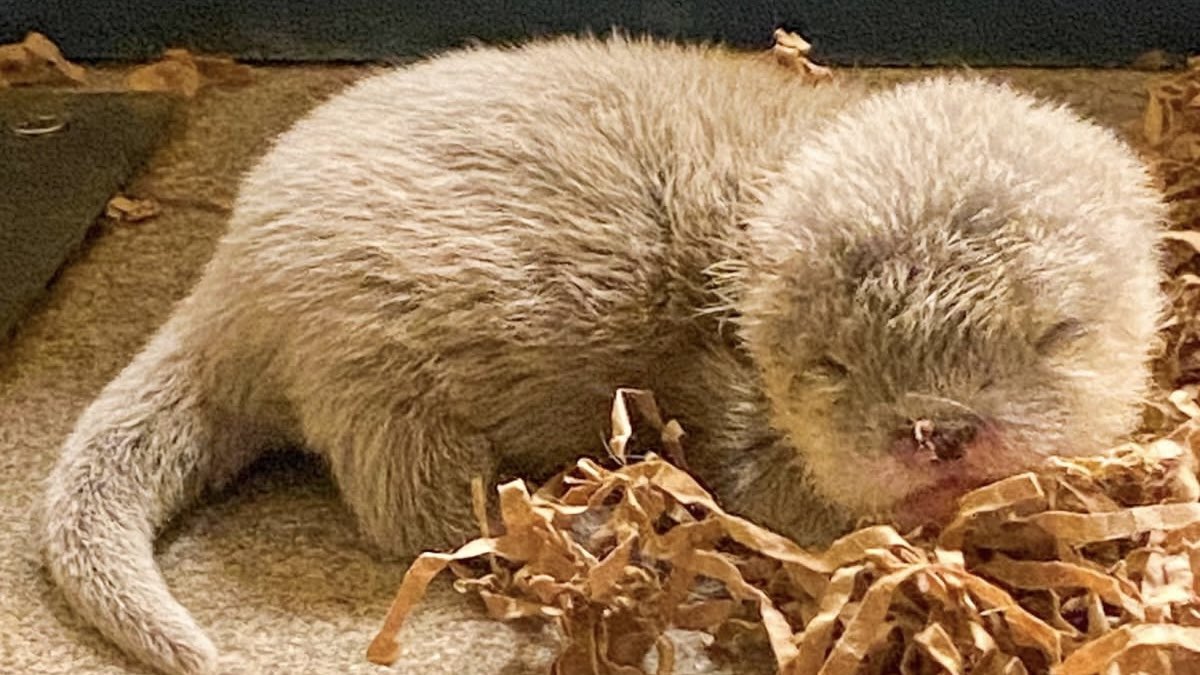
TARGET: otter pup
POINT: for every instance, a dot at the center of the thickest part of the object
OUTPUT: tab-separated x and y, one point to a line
856	303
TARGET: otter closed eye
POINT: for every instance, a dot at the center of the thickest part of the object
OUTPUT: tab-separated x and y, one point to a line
1060	335
829	368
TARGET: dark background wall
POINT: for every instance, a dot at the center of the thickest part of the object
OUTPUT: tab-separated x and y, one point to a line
869	32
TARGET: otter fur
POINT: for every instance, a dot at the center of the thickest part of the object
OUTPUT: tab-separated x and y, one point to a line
856	302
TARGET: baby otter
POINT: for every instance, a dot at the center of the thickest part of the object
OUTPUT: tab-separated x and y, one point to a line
856	303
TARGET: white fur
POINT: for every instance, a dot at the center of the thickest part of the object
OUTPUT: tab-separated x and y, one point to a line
447	270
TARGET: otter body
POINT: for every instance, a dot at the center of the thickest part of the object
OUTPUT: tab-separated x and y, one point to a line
448	269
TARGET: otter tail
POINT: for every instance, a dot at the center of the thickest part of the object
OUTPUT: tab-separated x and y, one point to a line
153	440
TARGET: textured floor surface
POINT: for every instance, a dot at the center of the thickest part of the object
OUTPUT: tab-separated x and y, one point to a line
272	567
56	183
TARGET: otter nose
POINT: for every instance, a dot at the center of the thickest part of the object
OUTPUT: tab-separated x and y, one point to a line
946	439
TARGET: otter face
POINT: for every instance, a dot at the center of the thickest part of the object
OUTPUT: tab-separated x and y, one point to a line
959	282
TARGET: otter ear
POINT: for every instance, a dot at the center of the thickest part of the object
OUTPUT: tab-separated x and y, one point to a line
1060	335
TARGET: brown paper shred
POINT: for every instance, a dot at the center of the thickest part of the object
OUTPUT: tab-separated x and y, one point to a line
666	656
860	633
1188	237
940	647
1080	528
791	51
1003	494
172	76
1153	122
670	433
715	566
1084	565
704	615
1101	655
505	608
384	648
1169	139
183	73
1027	629
1167	581
1184	399
1052	574
37	60
129	210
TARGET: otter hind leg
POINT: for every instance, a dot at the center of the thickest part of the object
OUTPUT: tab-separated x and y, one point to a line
406	475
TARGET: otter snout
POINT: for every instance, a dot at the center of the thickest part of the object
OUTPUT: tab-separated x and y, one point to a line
938	440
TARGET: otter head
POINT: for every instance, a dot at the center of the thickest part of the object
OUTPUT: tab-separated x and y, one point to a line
951	282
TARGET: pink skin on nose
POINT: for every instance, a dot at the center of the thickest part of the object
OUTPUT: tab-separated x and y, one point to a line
934	504
946	480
